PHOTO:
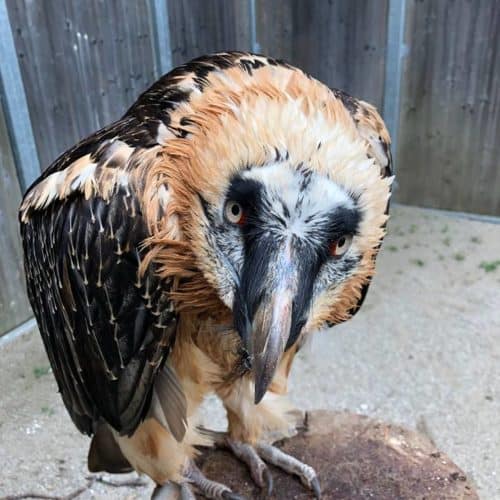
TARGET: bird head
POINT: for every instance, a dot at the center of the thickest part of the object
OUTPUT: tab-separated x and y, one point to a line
287	235
281	188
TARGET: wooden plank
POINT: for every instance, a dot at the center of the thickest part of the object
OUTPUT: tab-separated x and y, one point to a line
274	27
394	55
16	106
14	306
162	36
83	64
450	103
199	27
341	43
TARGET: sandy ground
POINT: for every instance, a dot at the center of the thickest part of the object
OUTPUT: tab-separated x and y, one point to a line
423	352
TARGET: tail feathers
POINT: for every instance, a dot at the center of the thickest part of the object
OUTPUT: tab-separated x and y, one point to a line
105	455
217	438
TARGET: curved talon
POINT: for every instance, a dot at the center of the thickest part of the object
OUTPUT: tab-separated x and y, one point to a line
316	487
258	469
167	491
306	473
207	487
261	475
186	492
228	495
268	481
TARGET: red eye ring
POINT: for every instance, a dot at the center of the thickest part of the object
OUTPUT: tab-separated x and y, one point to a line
341	246
333	248
243	220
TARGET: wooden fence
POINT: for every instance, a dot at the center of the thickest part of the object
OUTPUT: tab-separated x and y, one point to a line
432	67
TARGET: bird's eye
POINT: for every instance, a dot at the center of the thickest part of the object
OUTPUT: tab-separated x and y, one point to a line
340	246
234	212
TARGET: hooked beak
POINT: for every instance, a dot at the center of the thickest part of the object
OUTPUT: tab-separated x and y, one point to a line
272	326
270	285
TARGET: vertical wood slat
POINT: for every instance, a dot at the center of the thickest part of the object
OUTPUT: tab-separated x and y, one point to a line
341	43
162	36
16	107
83	64
14	306
395	52
450	106
199	27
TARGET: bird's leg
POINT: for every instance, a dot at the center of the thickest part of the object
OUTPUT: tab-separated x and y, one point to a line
258	469
173	491
194	477
255	457
306	473
207	487
252	427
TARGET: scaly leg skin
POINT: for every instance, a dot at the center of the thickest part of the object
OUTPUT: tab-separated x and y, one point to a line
259	471
211	489
193	476
254	458
306	473
173	491
251	427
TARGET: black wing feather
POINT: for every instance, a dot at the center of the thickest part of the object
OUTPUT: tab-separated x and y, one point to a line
105	336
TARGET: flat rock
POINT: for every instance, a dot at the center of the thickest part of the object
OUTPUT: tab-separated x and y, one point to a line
356	458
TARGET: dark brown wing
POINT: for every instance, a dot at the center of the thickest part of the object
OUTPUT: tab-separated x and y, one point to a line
107	329
372	129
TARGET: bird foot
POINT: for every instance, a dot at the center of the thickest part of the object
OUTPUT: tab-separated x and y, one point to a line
259	471
208	488
173	491
194	477
256	457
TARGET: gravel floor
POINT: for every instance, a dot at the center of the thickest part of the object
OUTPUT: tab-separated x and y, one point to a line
423	352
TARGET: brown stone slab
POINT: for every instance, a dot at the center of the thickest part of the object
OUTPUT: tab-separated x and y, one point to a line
356	458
